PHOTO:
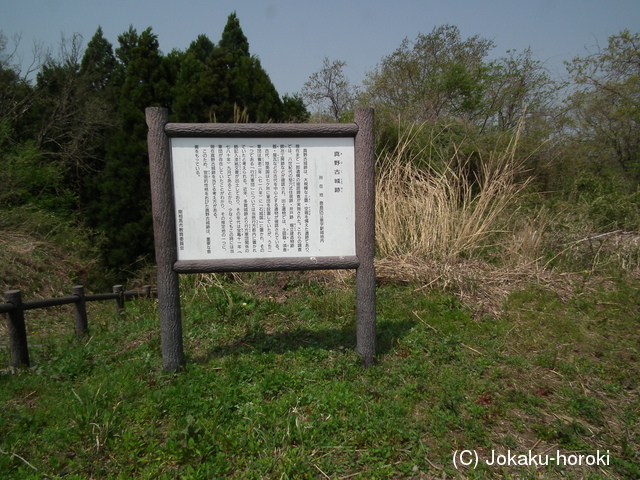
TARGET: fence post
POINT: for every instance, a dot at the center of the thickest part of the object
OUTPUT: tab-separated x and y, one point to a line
17	330
120	300
80	313
146	291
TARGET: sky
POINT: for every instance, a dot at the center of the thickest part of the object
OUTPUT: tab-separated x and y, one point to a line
292	37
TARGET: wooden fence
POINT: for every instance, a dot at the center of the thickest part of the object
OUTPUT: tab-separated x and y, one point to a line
15	307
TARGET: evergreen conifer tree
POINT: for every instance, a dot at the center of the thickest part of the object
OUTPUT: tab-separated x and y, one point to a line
199	84
98	61
233	40
124	208
96	68
250	88
225	83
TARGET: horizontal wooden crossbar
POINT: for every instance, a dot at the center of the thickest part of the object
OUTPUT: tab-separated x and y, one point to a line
261	130
266	264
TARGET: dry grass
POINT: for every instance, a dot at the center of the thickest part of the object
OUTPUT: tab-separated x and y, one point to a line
38	267
432	225
615	251
480	286
447	213
525	242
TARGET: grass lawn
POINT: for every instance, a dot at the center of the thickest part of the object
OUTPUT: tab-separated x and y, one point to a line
273	388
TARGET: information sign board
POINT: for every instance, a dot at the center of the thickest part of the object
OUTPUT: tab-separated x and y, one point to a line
249	198
261	197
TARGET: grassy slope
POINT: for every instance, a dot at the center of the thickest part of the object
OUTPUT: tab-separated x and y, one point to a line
44	255
274	389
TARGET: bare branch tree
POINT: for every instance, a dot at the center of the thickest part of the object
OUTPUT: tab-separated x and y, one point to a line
16	94
329	91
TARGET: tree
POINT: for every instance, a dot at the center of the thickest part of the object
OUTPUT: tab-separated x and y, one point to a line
27	176
250	89
605	105
98	61
70	116
199	87
28	179
294	109
329	91
436	76
16	93
516	86
233	41
219	83
121	205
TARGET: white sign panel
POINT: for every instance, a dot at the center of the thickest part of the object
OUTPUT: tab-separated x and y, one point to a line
243	198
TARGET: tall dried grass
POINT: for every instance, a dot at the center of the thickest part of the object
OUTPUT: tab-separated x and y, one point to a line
448	212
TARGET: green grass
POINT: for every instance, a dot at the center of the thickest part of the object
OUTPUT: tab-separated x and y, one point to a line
274	389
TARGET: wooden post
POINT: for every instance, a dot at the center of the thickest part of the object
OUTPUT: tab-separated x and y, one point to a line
80	311
17	330
146	291
119	290
365	237
165	239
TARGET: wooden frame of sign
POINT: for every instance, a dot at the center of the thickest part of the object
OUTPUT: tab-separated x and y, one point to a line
261	197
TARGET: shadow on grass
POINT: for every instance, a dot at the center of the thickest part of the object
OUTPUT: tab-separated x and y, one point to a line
256	339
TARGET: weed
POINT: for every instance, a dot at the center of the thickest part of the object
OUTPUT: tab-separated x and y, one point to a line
94	415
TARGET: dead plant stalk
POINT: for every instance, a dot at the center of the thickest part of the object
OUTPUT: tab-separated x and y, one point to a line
443	212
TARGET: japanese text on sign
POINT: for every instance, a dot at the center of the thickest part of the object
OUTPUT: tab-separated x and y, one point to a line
264	197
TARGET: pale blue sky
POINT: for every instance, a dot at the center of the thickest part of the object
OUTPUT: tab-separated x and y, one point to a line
291	37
